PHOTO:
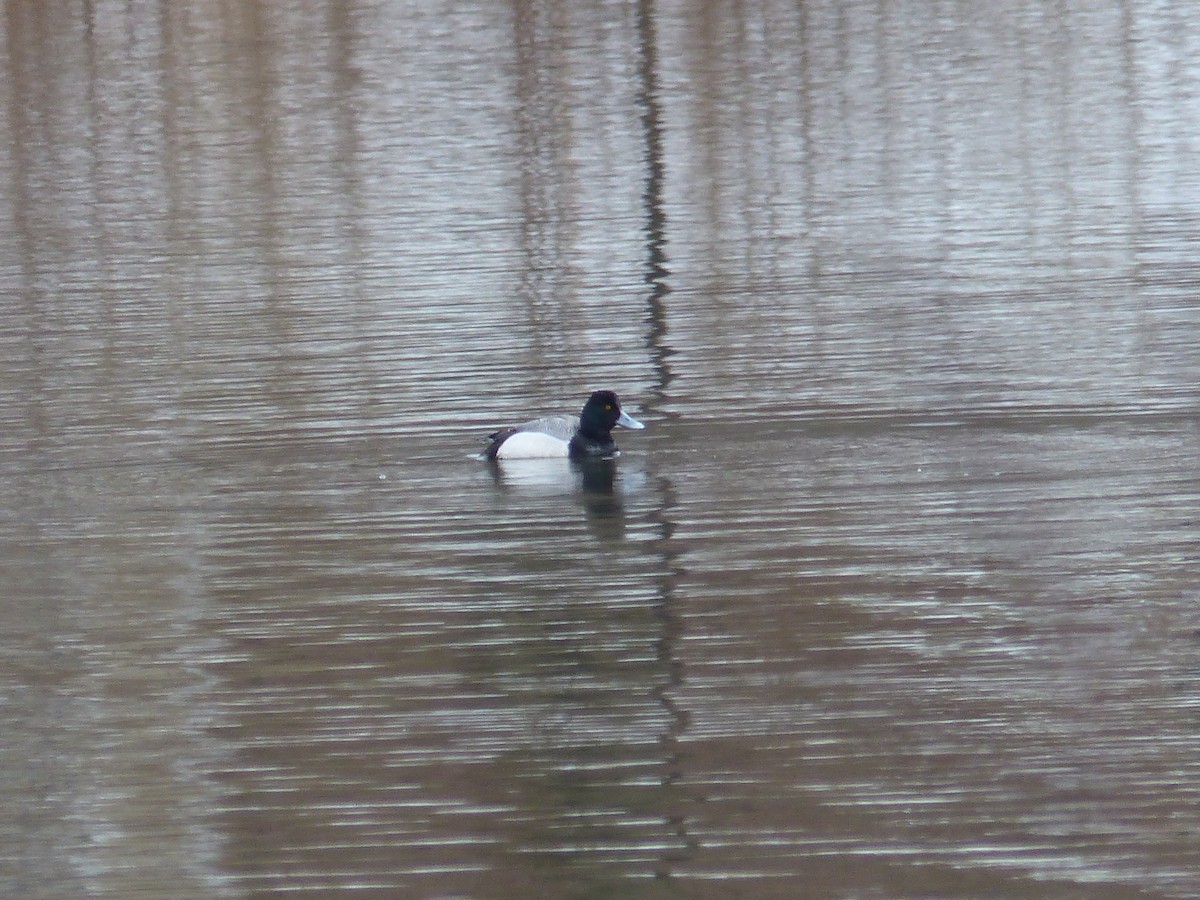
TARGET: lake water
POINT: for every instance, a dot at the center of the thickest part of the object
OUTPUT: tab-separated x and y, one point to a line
895	597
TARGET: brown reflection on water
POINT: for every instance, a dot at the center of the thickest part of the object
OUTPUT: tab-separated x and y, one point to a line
894	597
1009	172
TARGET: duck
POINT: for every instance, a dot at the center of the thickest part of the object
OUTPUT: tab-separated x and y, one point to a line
587	437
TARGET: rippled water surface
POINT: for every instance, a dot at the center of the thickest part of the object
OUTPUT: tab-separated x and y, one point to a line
896	595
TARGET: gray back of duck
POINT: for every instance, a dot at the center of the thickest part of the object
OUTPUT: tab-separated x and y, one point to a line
561	427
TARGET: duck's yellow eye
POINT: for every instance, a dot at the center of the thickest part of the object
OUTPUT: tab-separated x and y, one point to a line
608	407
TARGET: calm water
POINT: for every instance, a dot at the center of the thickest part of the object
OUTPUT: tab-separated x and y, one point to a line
896	597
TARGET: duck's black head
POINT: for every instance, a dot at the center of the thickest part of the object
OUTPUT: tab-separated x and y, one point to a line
600	414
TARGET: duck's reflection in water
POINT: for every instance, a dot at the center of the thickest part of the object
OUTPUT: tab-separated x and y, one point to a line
597	486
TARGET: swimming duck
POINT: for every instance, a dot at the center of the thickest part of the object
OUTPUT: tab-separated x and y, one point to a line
589	436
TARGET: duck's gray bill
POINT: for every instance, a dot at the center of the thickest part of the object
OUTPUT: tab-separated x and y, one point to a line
629	421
